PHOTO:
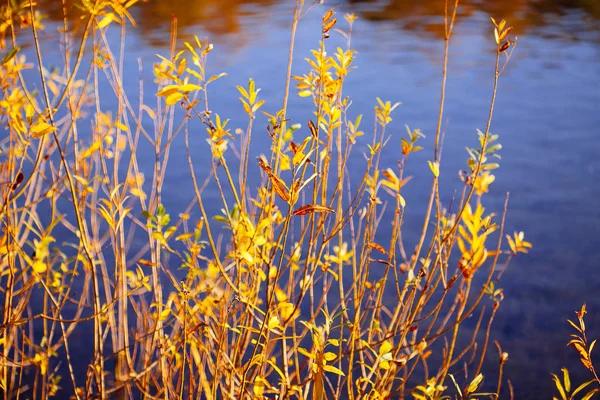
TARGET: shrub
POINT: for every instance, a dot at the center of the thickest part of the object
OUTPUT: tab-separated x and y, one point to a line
300	297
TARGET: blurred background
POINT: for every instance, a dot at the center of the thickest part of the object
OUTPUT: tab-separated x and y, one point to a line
547	115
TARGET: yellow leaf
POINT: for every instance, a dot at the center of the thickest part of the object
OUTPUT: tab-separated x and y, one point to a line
287	311
435	168
173	98
39	267
385	348
566	379
401	200
259	386
121	126
274	322
329	356
305	93
189	87
110	17
164	314
331	368
305	353
168	90
40	129
298	158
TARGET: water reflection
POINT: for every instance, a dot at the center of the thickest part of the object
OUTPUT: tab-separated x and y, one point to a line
525	15
221	19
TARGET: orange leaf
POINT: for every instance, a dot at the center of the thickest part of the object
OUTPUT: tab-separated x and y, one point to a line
329	25
505	32
328	15
378	247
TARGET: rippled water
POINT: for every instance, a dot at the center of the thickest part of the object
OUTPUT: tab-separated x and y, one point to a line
547	115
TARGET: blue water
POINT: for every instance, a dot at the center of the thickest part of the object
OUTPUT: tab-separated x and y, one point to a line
547	115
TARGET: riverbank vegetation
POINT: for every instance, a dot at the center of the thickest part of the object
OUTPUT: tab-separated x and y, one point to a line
291	290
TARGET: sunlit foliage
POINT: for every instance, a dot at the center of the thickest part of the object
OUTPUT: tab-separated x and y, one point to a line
291	290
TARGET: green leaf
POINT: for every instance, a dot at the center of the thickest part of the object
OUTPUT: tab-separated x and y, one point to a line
475	383
165	219
10	55
220	218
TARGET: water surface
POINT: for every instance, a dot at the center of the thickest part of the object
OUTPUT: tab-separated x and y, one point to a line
547	115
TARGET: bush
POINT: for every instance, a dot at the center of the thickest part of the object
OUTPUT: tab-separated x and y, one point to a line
296	299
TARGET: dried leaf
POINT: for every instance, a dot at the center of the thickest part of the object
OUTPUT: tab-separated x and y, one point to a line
505	46
17	181
262	162
280	187
312	208
313	128
294	147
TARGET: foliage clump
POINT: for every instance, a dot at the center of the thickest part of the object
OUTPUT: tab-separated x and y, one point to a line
290	291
